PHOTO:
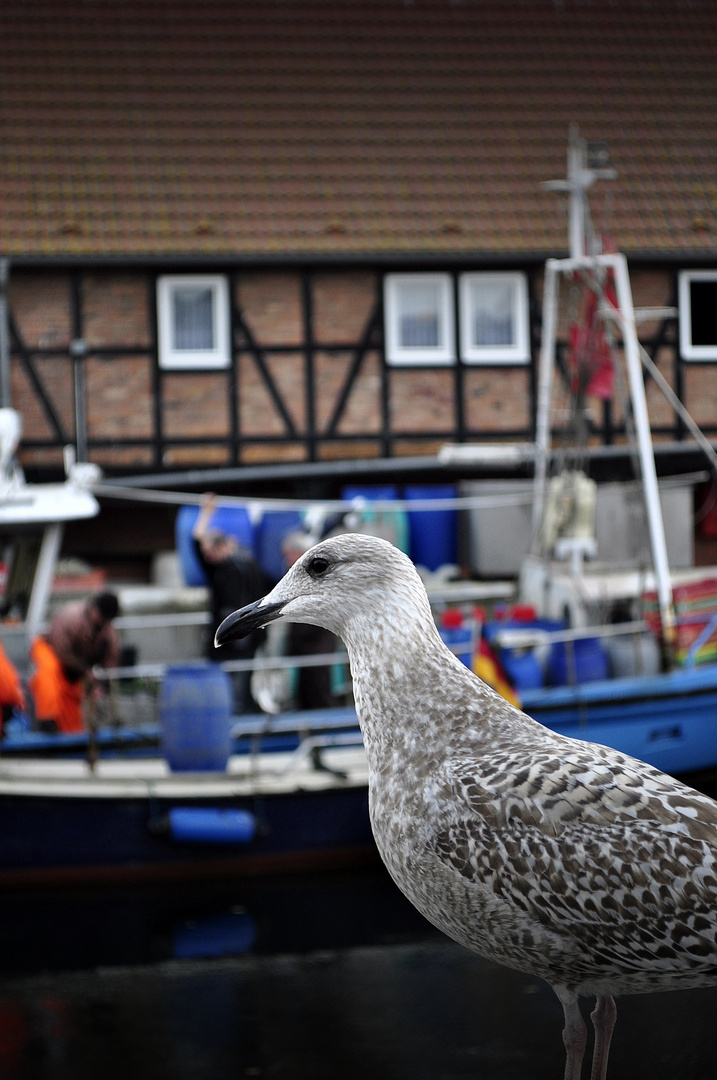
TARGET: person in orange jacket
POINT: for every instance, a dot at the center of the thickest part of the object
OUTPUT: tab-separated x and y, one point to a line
80	636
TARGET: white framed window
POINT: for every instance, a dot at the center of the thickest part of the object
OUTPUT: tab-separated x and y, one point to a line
193	321
698	314
494	318
419	319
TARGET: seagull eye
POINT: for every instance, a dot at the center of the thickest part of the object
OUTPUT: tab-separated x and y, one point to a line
318	566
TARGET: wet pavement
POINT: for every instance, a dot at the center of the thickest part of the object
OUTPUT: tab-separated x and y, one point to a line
73	929
416	1011
330	977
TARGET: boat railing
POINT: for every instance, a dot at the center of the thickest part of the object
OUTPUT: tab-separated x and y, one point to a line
163	620
441	595
133	691
528	637
157	671
327	721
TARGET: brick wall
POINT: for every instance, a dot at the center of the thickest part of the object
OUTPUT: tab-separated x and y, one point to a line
116	316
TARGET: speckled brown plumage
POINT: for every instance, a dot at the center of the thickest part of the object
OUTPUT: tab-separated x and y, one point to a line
553	856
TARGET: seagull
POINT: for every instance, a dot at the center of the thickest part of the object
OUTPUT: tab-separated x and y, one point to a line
556	857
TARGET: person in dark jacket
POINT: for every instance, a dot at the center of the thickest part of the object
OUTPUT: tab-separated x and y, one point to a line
235	579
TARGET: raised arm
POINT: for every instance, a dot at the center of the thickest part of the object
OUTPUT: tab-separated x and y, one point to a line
206	513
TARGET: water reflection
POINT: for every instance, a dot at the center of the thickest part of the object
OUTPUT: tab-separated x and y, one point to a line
78	929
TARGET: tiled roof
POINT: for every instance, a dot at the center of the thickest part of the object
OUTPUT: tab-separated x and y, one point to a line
289	127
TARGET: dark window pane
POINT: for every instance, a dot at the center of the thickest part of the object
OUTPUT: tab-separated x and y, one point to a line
703	304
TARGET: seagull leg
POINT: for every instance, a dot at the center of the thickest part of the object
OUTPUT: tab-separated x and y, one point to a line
574	1035
603	1018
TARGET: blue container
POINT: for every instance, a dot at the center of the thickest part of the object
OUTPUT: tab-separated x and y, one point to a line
581	661
523	669
457	638
233	520
195	717
433	532
370	492
270	532
458	635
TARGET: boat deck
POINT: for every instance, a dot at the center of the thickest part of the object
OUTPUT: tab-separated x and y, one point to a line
246	774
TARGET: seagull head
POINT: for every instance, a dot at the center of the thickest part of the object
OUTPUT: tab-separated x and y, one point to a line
338	581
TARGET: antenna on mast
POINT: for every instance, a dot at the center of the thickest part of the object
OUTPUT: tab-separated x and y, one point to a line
587	162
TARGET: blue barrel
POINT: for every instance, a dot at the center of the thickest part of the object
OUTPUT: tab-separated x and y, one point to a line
522	666
523	669
588	663
195	717
232	520
270	534
433	532
458	635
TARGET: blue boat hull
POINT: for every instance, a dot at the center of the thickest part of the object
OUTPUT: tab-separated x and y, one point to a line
669	721
44	833
61	839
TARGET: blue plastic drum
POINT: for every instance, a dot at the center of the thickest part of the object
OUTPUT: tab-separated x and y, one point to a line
195	717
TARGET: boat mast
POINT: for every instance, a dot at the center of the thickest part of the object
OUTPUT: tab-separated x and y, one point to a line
582	259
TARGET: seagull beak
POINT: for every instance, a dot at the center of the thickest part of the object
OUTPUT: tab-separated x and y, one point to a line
242	622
